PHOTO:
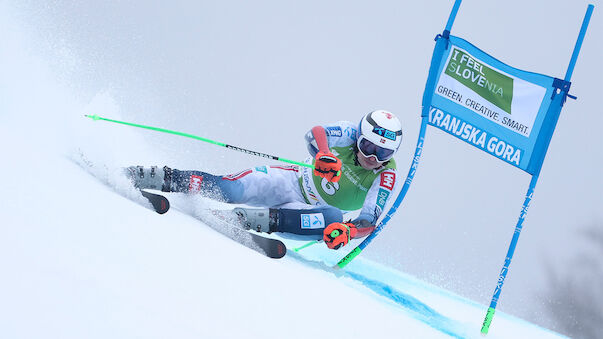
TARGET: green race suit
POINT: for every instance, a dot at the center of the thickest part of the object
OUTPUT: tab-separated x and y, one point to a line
358	188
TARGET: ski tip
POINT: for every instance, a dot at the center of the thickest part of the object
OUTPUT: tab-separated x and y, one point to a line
163	206
279	251
160	203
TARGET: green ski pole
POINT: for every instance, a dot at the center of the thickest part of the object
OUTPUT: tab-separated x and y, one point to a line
306	245
163	130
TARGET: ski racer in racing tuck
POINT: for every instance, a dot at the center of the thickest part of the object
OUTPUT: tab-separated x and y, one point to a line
353	170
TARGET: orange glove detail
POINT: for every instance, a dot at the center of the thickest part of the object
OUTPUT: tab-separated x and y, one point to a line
327	166
338	234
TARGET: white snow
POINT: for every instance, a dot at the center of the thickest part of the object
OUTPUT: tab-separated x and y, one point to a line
79	260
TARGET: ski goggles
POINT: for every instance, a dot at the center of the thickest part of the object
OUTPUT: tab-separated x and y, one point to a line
367	148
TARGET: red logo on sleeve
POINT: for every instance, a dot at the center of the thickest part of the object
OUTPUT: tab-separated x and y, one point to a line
195	183
236	176
388	180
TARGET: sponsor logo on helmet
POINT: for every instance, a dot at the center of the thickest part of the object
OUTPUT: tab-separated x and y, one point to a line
194	184
388	180
380	131
261	169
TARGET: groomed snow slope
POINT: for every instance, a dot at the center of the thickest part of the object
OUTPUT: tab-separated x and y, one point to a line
79	260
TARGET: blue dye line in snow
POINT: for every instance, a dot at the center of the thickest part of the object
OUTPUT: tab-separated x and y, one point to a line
414	306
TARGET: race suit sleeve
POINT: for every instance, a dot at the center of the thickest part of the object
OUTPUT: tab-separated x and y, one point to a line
377	197
339	134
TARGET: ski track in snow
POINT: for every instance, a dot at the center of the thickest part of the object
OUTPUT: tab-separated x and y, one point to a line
382	281
193	206
415	308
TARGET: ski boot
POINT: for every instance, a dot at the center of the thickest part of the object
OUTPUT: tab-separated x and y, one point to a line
150	177
257	219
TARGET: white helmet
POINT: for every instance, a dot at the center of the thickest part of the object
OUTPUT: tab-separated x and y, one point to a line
379	134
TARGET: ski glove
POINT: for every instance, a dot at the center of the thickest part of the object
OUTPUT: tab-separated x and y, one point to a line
327	166
338	234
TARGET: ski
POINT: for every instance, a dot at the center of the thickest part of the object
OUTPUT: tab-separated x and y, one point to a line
159	202
223	222
227	224
115	180
273	248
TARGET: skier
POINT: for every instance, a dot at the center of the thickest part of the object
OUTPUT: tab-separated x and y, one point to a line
354	170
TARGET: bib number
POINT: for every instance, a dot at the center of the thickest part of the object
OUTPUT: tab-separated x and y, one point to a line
329	188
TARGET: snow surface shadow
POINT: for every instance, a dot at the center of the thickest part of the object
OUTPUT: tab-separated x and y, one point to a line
416	308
